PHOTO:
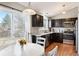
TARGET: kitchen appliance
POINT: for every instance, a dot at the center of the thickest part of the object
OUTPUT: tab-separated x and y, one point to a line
68	36
76	35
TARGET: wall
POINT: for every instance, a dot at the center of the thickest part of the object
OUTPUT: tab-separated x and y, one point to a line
69	14
78	31
35	29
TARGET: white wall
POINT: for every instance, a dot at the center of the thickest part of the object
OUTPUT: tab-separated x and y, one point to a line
69	14
28	27
78	30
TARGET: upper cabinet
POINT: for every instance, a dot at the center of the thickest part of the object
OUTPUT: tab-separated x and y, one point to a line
57	23
67	22
52	23
70	22
37	20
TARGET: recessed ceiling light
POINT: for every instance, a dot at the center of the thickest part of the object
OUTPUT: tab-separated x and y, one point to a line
64	12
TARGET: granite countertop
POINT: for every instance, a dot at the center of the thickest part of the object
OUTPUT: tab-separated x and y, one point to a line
40	34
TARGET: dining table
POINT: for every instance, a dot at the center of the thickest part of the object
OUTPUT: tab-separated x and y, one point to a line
29	49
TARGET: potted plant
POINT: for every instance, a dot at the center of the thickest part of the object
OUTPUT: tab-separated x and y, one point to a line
22	42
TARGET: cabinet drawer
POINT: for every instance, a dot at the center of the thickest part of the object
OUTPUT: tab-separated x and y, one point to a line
70	37
33	39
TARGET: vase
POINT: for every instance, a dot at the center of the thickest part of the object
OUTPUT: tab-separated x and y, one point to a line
21	46
22	50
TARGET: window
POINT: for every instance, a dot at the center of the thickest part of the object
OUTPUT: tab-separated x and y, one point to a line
18	25
12	27
5	27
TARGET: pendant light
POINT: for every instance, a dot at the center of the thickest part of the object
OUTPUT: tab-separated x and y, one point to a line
63	12
29	10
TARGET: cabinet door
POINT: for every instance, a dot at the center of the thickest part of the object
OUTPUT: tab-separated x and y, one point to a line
60	38
58	23
37	20
62	22
53	37
41	21
33	39
34	21
57	37
52	23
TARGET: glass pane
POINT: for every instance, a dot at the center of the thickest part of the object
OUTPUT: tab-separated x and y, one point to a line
5	27
19	26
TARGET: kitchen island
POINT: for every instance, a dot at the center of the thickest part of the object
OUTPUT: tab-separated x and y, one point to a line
49	36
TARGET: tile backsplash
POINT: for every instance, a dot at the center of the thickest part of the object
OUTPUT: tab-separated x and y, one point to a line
57	29
43	29
38	29
61	29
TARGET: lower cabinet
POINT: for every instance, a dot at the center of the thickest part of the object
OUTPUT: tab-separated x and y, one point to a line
47	37
50	38
57	37
69	37
33	39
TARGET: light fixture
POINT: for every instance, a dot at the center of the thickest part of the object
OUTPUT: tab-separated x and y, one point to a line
63	12
29	10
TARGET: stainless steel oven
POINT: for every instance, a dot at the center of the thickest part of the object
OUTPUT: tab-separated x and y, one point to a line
68	37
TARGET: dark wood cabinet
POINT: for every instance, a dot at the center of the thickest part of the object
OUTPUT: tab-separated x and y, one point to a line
54	37
47	39
57	37
60	37
57	23
33	39
52	23
68	36
37	20
67	22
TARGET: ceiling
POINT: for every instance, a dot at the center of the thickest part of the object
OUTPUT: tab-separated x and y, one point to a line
47	8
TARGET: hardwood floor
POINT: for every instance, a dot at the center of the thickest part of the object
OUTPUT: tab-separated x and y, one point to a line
63	49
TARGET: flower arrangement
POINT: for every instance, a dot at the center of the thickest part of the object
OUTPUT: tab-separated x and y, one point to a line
22	42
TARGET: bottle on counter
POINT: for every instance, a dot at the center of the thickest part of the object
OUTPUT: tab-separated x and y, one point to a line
49	29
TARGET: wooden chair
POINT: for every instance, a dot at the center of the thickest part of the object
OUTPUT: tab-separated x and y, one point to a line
41	41
53	52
